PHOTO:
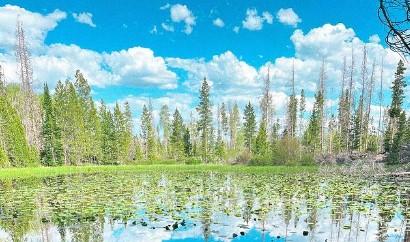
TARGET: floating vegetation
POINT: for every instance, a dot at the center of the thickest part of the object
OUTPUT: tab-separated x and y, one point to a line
204	205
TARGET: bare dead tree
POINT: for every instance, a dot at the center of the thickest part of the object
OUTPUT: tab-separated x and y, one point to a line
29	107
395	14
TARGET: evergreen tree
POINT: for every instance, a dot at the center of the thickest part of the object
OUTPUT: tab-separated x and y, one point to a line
395	110
108	141
224	119
302	109
249	125
165	125
51	153
91	135
14	148
312	136
148	133
177	136
261	146
205	119
187	143
394	154
234	119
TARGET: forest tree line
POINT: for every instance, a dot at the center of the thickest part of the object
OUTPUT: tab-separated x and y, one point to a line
67	127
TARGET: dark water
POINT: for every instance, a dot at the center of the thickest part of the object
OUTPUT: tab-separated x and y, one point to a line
204	206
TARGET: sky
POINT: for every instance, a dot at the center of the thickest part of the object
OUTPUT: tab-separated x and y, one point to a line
160	50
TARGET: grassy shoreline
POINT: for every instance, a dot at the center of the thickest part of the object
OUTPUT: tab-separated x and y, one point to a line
26	172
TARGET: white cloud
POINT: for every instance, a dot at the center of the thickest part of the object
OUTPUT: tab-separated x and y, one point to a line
223	71
374	38
218	22
138	66
135	66
167	27
84	18
268	17
36	26
236	29
154	30
255	22
166	6
288	16
181	13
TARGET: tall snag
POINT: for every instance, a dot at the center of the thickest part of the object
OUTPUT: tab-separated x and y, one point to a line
29	106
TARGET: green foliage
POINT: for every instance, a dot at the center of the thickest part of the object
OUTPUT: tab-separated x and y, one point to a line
249	125
205	119
148	134
261	146
14	148
52	151
313	132
177	142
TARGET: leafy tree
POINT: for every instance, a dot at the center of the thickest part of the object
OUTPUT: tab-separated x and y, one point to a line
249	125
205	119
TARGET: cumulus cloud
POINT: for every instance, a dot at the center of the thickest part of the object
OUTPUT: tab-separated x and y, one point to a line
218	22
36	26
167	27
135	66
255	22
224	70
84	18
236	29
288	16
181	13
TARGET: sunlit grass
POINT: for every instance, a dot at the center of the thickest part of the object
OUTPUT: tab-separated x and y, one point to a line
64	170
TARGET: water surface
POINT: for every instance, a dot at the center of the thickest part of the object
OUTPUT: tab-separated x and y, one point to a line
204	206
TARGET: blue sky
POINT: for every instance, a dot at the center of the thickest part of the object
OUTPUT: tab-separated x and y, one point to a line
160	50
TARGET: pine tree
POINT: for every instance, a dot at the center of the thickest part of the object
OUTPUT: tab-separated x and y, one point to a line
165	125
395	110
234	119
249	126
91	135
261	142
148	133
205	119
292	107
177	136
108	142
14	148
302	109
312	137
224	119
187	143
394	154
51	153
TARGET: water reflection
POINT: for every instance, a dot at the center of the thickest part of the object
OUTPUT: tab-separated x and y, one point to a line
204	206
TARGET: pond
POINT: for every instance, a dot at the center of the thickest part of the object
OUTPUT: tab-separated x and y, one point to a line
204	206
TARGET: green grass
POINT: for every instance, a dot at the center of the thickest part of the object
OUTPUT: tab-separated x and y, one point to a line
11	173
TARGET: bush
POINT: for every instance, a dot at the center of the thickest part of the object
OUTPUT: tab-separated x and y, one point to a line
192	160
